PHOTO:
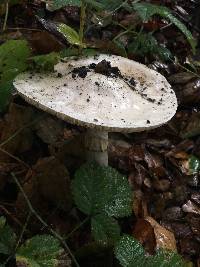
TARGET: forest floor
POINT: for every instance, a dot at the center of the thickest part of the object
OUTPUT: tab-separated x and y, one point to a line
162	165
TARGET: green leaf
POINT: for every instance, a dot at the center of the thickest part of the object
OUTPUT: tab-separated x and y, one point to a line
105	229
98	189
13	55
145	44
111	5
130	252
147	10
70	34
11	2
57	4
165	258
120	47
5	94
7	238
45	62
40	251
194	164
72	51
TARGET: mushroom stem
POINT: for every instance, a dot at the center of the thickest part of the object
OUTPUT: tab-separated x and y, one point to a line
96	144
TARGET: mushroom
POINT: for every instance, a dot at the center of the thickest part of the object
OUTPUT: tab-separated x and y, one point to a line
104	93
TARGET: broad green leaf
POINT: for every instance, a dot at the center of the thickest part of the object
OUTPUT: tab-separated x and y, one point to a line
101	190
194	164
45	62
70	34
39	251
147	10
130	252
7	238
57	4
105	229
13	55
165	258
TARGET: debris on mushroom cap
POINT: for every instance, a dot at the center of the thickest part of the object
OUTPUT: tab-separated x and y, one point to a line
107	92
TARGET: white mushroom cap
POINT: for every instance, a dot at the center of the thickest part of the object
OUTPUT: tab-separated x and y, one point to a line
102	102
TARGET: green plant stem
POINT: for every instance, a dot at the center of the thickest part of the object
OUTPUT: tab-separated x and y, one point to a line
82	24
33	211
121	34
6	16
77	227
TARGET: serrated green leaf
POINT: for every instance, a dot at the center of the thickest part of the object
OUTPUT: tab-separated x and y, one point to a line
147	10
57	4
45	62
70	34
105	229
164	258
13	55
98	189
194	164
40	251
7	238
130	252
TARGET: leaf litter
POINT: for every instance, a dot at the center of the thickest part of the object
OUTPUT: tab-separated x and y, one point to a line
162	165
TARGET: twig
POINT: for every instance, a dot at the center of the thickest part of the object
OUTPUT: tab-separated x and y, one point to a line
77	227
23	230
10	215
19	240
14	157
6	16
19	131
33	211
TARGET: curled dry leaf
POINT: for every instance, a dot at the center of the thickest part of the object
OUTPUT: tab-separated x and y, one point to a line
148	229
193	126
181	77
173	214
191	207
189	246
17	118
139	204
196	197
43	42
189	93
50	130
47	182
